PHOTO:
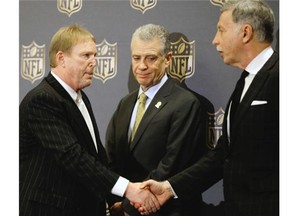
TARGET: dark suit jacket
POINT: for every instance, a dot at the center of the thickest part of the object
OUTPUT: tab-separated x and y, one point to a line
60	171
249	163
168	139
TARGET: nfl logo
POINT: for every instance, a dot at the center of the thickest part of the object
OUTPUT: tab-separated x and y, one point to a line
106	61
218	2
143	5
182	64
215	127
33	62
69	6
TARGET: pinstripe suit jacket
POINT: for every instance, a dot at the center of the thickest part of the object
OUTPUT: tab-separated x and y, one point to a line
60	171
170	138
249	163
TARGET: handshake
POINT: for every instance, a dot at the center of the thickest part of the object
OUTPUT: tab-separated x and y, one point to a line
146	197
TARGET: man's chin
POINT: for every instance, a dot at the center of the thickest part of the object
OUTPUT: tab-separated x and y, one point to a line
87	83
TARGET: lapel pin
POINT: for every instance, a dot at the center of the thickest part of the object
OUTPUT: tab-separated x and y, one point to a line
158	104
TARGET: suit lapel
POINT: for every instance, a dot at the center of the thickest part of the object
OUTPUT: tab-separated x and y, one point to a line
126	116
253	90
95	127
79	122
156	105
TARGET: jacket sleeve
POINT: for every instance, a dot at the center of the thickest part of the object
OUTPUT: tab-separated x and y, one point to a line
51	121
201	175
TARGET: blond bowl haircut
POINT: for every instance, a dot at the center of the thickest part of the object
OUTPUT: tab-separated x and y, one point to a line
65	38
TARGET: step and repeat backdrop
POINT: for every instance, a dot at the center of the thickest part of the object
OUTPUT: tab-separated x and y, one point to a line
195	63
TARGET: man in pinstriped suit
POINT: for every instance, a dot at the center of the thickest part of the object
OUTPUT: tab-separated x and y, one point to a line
62	169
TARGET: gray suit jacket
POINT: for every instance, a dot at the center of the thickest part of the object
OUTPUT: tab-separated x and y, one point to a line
60	171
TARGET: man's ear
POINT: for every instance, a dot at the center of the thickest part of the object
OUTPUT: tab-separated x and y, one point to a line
168	58
247	33
60	58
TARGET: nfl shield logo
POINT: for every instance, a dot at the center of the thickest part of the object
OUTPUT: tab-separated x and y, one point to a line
182	64
33	62
143	5
218	2
106	61
69	6
215	127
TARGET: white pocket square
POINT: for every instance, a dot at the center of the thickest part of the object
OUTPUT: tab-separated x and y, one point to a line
258	102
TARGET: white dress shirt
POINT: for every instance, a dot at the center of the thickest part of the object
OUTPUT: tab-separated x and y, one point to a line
122	183
150	93
252	68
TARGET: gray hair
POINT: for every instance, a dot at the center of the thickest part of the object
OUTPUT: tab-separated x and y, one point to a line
150	32
256	13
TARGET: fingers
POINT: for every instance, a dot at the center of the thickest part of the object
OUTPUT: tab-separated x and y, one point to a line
142	198
154	202
150	203
136	205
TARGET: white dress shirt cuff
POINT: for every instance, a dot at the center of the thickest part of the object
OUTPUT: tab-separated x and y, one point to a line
120	187
174	194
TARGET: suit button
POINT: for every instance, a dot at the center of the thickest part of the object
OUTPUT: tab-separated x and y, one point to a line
227	160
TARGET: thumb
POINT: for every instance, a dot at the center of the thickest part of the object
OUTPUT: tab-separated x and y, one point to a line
146	184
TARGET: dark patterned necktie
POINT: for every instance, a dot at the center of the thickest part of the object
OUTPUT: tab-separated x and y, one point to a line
236	96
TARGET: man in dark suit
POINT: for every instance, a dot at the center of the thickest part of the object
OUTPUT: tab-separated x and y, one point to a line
247	154
170	136
62	163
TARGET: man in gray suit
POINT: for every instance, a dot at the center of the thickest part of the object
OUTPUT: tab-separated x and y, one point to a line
247	154
170	136
62	160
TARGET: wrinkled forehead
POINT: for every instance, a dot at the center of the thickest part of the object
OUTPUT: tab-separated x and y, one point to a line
146	47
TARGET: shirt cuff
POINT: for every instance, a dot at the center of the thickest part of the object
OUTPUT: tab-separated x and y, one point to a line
120	187
174	194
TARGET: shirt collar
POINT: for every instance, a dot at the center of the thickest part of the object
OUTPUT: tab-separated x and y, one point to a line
257	63
150	93
70	91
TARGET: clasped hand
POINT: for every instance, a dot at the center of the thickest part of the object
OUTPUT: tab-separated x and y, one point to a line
150	195
142	198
